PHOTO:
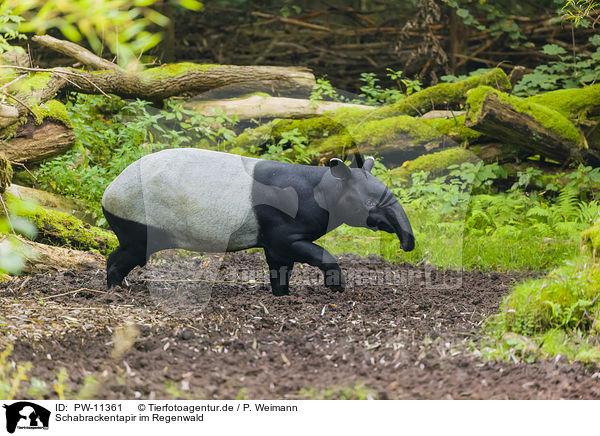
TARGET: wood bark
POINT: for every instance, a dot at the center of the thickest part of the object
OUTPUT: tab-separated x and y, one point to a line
32	143
43	258
503	123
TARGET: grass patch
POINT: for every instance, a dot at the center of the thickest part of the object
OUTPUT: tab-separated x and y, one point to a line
554	315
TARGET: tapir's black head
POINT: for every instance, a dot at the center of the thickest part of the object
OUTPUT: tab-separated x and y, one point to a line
364	201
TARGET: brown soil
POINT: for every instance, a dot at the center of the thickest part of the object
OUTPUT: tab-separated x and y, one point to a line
406	336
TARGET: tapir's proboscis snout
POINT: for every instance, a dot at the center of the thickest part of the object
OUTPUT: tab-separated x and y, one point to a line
212	202
402	227
391	218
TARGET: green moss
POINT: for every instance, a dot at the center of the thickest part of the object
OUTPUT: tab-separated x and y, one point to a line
443	94
33	82
52	109
175	69
7	74
347	116
559	300
435	163
558	312
62	229
454	128
572	103
475	99
312	128
547	117
382	131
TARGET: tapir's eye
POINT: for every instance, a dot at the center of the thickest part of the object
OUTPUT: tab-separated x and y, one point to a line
371	203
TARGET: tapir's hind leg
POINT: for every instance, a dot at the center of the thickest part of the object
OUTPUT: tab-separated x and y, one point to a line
136	243
121	261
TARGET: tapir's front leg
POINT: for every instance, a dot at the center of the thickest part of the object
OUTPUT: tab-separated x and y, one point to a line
311	253
280	268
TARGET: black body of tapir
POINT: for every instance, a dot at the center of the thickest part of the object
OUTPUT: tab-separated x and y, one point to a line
209	201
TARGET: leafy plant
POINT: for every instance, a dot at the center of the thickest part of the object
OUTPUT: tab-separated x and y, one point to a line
292	147
323	89
9	27
565	71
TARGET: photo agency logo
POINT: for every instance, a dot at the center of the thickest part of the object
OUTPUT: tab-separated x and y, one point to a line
25	415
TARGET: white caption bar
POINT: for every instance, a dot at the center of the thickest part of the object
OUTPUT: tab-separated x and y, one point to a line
245	417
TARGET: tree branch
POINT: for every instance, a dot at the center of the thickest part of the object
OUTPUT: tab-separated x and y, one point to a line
77	52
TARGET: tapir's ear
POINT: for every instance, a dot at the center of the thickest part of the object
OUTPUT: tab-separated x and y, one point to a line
368	165
339	170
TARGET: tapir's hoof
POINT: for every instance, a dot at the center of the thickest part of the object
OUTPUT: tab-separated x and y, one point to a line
281	292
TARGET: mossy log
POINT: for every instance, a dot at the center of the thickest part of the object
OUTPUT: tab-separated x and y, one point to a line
444	95
42	258
265	107
533	128
396	140
62	229
33	142
52	201
454	128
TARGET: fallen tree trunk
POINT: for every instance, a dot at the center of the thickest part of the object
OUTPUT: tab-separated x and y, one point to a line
34	143
265	106
532	128
156	84
43	258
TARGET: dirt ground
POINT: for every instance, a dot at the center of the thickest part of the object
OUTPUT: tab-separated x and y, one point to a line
398	332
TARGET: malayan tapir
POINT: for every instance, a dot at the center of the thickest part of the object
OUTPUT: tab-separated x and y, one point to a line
209	201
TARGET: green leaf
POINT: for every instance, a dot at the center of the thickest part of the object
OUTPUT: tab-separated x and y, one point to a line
192	5
595	40
553	49
70	32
